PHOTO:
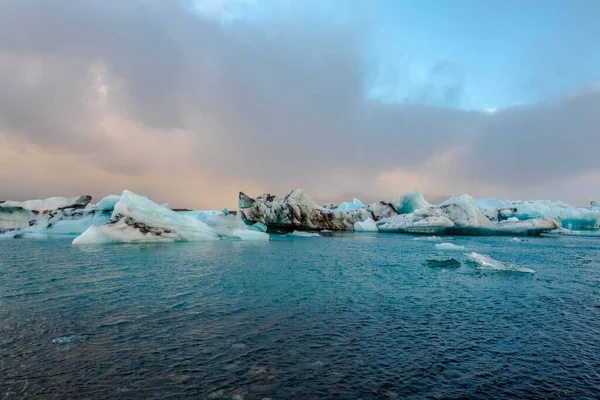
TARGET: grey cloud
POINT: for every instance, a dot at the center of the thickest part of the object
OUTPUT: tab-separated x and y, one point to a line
282	103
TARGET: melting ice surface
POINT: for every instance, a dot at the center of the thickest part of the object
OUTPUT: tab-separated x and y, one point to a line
348	316
448	246
486	262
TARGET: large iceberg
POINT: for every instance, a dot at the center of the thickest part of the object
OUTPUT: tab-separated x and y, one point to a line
297	211
138	219
460	216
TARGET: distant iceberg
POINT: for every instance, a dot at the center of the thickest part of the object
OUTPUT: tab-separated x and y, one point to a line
55	215
460	216
573	218
297	211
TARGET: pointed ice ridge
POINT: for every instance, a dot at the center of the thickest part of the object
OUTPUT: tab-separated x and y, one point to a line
297	211
138	219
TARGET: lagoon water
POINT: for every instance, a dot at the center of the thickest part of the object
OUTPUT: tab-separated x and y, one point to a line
352	316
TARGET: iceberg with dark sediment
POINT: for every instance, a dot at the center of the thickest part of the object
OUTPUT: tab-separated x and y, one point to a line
298	212
52	216
137	219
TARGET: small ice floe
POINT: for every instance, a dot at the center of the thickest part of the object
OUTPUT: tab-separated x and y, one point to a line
448	246
304	234
486	262
66	340
430	238
516	240
238	346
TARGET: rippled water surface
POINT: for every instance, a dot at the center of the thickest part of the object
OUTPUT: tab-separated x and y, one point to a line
349	316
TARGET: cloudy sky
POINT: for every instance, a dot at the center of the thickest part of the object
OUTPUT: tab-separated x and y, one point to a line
191	101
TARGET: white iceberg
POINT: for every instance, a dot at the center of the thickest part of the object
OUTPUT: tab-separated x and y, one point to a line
304	234
366	226
137	219
448	246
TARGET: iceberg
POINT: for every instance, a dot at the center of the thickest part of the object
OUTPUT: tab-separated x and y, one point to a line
297	211
137	219
304	234
460	216
570	217
448	246
366	226
55	215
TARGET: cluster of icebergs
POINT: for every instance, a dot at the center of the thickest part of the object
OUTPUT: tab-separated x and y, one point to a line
412	214
133	218
128	218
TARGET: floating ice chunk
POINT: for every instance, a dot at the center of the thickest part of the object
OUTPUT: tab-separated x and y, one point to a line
412	201
304	234
515	240
431	238
366	226
486	262
137	219
108	203
448	246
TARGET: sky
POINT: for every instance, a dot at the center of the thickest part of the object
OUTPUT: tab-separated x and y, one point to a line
189	102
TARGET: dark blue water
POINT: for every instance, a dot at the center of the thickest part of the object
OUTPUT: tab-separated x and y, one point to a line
348	317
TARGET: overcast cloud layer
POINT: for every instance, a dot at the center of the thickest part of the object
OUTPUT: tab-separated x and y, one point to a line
99	96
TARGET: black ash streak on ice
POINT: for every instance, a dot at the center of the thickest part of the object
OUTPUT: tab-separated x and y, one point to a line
252	100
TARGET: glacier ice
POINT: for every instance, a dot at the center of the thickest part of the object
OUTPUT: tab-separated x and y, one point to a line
412	201
304	234
297	211
366	226
56	215
108	203
460	216
138	219
573	218
347	206
486	262
448	246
